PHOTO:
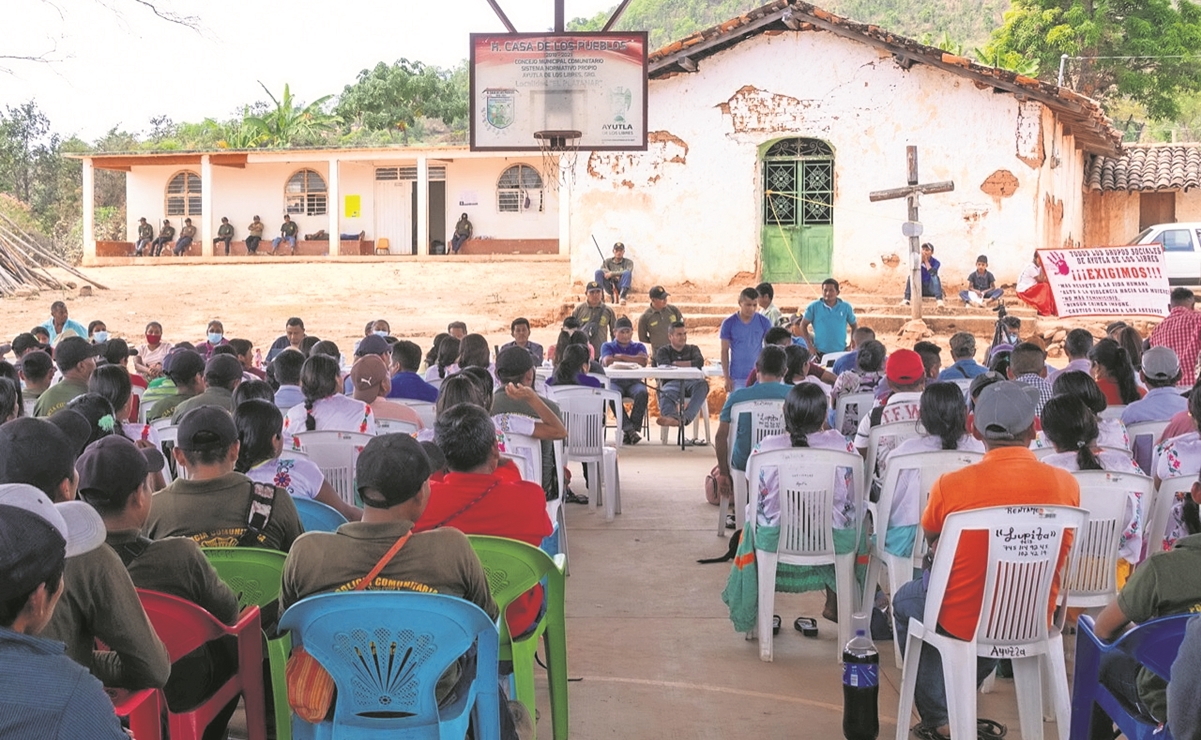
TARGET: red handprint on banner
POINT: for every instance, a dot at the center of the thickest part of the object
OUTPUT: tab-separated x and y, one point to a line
1057	260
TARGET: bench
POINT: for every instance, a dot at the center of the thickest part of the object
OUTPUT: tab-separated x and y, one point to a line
477	245
237	248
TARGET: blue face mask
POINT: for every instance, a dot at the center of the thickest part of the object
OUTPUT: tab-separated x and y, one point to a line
214	337
380	333
100	336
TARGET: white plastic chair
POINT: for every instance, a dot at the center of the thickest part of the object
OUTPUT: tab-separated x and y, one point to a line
1164	521
1112	411
766	419
394	426
335	453
424	409
558	392
160	424
526	452
1092	580
850	409
584	416
928	466
830	358
1024	544
883	439
807	479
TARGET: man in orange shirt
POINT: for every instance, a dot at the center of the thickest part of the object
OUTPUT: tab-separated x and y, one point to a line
1009	474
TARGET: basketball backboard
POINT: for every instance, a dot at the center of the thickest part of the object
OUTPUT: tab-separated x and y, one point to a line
527	84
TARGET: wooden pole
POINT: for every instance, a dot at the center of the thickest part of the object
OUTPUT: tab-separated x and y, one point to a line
915	250
26	243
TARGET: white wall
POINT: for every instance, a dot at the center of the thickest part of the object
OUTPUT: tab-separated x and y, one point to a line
478	177
258	188
689	208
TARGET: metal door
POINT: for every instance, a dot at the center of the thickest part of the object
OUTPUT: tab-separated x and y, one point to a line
391	210
798	211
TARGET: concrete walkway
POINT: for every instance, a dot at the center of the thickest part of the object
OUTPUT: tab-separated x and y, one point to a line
651	641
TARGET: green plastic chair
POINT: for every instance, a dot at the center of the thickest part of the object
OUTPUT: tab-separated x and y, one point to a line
256	576
513	568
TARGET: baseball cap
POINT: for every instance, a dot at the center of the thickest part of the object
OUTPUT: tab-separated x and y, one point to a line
395	465
222	370
80	527
76	427
372	345
181	365
113	467
623	323
1160	363
904	366
513	362
36	452
1005	409
618	245
658	292
368	374
982	381
70	351
592	286
31	550
205	428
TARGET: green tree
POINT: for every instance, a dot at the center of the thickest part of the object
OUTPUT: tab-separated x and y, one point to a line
289	123
1144	50
396	96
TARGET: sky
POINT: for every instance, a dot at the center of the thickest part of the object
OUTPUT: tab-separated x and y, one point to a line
112	63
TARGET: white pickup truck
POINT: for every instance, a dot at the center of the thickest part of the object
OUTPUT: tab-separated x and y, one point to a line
1181	250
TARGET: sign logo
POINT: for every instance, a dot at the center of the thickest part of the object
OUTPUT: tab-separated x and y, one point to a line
620	100
500	106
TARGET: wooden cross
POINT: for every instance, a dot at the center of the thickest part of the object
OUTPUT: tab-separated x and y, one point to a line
913	228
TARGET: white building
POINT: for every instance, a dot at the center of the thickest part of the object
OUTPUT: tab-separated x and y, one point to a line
769	131
411	197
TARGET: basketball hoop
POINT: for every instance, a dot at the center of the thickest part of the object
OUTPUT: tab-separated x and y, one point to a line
559	148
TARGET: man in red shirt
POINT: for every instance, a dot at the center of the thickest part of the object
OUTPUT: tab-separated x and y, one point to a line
1181	333
1009	474
473	498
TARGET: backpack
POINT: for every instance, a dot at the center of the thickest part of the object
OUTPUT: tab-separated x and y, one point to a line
711	486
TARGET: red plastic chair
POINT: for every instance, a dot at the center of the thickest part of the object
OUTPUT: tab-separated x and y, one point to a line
184	627
143	708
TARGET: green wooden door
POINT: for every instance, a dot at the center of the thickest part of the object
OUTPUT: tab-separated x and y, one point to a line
798	212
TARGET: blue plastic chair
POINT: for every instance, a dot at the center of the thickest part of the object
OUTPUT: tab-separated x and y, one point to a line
1153	644
385	651
316	516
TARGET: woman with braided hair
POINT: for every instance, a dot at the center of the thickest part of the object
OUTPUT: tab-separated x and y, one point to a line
324	407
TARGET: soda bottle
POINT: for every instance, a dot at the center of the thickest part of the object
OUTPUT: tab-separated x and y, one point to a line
860	683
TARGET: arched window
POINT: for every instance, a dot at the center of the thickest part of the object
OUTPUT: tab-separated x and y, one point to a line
305	194
519	189
183	194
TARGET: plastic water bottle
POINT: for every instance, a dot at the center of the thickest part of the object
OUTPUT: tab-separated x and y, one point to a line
860	683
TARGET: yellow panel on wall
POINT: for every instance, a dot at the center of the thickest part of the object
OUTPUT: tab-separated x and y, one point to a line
353	205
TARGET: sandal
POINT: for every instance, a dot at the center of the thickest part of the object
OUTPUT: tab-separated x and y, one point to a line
807	626
925	732
775	624
574	498
987	729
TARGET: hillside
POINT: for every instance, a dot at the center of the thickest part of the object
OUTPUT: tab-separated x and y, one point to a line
965	22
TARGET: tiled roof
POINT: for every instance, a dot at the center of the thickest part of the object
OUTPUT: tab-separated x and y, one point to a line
1147	167
1087	120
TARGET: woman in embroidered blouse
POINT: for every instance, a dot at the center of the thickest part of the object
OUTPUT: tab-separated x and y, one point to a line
260	457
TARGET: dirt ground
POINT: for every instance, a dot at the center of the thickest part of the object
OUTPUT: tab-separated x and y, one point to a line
335	300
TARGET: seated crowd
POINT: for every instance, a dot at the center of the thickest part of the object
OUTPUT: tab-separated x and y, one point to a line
90	512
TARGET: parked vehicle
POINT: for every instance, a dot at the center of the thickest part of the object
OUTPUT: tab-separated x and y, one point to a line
1181	250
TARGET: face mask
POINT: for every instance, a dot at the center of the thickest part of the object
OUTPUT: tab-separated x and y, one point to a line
380	333
153	339
100	336
214	337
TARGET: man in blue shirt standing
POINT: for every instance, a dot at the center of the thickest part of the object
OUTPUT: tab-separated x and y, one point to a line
829	317
622	349
741	339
